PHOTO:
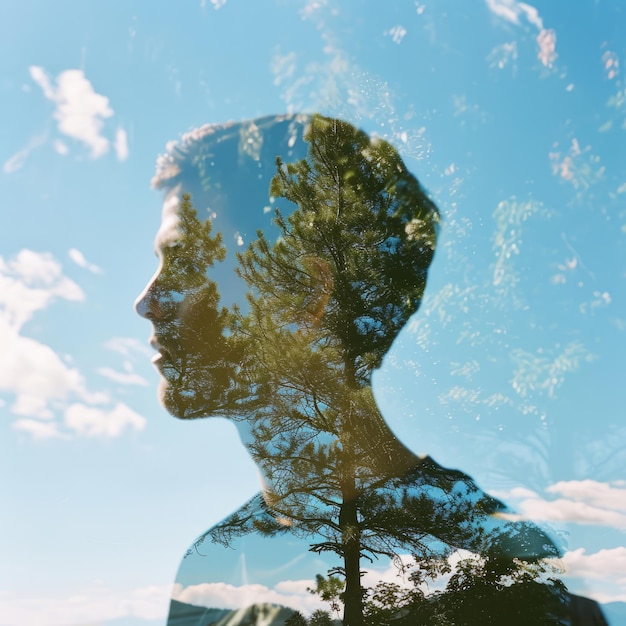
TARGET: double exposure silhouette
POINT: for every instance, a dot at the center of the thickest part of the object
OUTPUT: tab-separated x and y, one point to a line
350	523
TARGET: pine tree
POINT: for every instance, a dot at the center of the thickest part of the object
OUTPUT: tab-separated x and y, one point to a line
296	619
325	302
202	354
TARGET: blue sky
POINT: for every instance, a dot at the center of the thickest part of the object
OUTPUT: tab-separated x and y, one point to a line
512	115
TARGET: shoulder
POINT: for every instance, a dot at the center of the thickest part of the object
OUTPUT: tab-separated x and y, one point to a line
255	516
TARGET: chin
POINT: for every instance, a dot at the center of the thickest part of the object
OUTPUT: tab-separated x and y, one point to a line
166	399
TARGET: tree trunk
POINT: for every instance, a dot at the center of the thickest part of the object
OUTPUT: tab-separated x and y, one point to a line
351	545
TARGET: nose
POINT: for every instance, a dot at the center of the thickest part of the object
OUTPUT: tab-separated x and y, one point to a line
145	303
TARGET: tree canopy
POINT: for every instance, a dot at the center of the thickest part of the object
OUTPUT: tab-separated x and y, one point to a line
325	302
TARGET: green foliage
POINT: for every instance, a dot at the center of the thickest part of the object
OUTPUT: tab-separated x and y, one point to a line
330	590
320	618
480	591
325	303
486	590
202	354
296	619
352	258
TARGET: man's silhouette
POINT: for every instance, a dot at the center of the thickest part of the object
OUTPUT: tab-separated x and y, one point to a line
331	280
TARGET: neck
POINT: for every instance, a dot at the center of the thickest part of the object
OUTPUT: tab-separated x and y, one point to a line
292	457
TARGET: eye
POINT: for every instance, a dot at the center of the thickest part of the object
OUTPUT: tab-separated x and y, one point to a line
166	249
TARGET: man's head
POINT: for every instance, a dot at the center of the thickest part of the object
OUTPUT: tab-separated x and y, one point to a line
355	234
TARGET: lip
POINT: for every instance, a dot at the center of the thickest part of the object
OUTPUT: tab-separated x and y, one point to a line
156	345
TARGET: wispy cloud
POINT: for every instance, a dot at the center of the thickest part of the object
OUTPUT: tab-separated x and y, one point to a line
546	370
90	421
38	429
80	112
16	162
121	144
503	54
41	78
523	14
216	4
512	11
397	33
60	147
131	349
577	165
79	258
546	40
128	377
127	346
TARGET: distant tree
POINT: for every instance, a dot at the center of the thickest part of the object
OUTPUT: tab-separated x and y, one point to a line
320	618
296	619
487	590
330	590
481	590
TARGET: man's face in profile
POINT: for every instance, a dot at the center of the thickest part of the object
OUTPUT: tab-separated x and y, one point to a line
369	253
157	302
181	301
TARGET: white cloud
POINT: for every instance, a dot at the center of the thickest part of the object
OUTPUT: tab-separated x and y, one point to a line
129	377
585	502
127	346
532	15
283	67
90	421
563	510
604	563
80	111
504	9
605	495
217	4
603	573
90	604
30	282
79	258
41	78
42	383
60	147
16	162
511	10
546	39
121	144
30	370
37	429
37	377
503	54
397	33
222	595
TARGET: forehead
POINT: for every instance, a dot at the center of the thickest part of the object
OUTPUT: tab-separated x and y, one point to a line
228	169
168	230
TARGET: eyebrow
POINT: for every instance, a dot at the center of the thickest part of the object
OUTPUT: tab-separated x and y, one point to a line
168	232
